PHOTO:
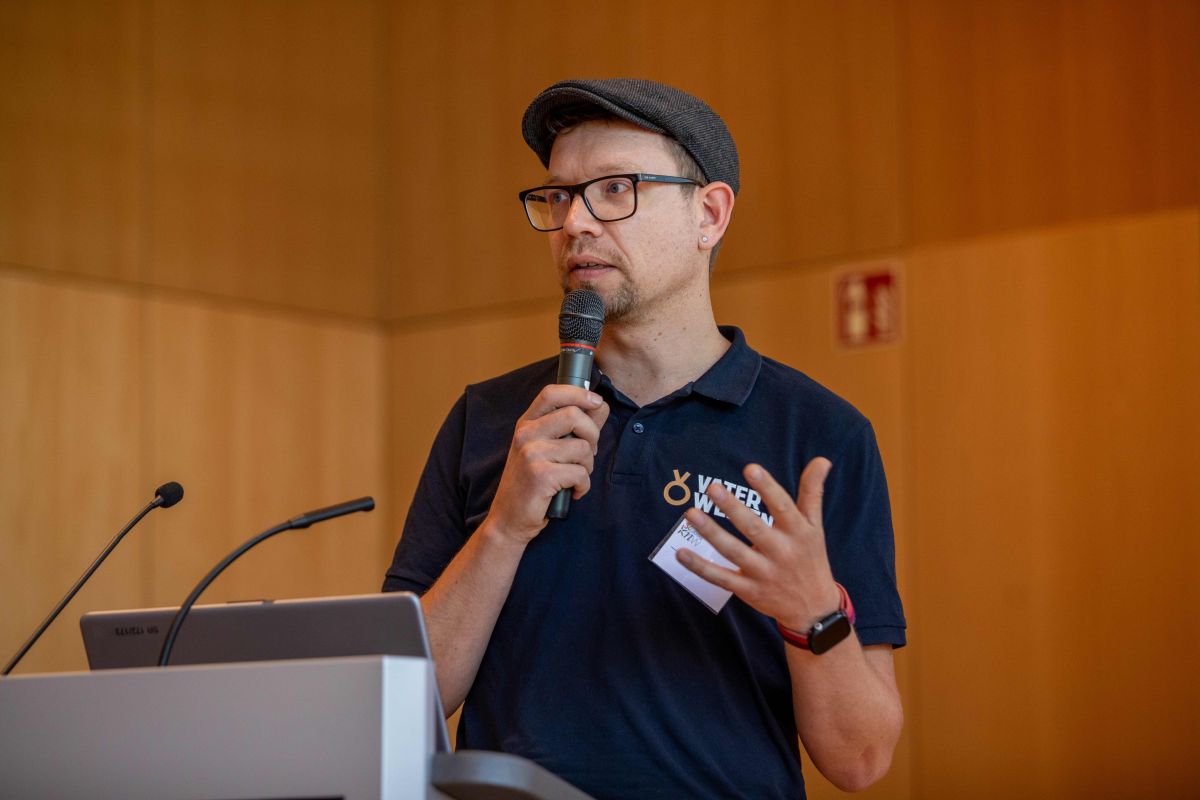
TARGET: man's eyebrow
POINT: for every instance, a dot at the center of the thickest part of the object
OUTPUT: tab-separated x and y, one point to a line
604	169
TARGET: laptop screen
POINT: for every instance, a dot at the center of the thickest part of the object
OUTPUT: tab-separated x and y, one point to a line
388	624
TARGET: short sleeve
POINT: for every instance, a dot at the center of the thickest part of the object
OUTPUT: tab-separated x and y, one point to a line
860	540
434	530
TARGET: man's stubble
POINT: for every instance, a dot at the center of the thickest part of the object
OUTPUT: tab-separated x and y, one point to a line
620	304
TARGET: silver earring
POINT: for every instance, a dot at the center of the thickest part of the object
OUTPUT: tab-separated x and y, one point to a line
704	239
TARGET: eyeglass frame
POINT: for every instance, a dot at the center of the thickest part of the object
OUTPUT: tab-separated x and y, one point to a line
579	189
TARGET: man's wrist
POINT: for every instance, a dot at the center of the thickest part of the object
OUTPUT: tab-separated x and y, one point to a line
802	624
495	534
827	632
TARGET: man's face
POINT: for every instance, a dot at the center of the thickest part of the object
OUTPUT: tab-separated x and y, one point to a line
640	264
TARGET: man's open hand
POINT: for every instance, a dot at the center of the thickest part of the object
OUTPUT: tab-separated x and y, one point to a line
784	572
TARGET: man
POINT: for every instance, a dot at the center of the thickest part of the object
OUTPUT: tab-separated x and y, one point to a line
568	645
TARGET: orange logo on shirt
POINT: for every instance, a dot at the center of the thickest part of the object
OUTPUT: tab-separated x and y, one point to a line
680	482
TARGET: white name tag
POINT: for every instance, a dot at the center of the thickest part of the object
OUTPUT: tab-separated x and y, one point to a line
684	535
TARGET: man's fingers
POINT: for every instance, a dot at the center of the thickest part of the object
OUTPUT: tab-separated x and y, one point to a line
560	395
557	424
780	503
599	414
750	524
812	489
552	477
558	451
579	478
568	451
724	542
713	573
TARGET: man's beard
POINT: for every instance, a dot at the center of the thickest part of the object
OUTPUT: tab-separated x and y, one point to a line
620	305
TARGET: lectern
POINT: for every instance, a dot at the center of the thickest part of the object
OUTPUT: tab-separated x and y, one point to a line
353	728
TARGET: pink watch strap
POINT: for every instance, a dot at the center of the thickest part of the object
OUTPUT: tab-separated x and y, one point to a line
801	639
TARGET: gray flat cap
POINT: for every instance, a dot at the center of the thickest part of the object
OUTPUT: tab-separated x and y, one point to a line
653	106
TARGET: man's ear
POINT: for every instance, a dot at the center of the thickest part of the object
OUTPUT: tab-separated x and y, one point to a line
716	206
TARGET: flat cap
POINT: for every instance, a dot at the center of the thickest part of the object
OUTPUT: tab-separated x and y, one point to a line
654	106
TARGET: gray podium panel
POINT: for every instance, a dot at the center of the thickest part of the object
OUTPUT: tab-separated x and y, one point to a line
482	775
352	728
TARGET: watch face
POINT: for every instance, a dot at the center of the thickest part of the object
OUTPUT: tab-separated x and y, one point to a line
828	632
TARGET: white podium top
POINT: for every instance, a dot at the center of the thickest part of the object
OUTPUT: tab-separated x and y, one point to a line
352	728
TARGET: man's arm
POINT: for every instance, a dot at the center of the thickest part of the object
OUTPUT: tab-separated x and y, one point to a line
462	606
847	710
846	703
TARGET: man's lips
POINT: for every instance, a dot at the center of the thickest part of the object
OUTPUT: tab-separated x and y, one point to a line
587	267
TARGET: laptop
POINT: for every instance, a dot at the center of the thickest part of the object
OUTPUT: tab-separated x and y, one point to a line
389	624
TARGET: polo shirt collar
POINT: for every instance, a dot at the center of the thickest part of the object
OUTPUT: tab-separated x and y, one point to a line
729	380
732	377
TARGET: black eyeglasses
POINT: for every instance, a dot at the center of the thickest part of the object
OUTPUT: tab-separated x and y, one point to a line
608	199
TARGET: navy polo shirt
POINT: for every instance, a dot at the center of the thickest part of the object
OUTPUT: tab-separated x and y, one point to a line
601	668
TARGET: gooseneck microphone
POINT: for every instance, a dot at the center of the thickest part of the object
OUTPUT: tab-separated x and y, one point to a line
580	323
166	496
301	521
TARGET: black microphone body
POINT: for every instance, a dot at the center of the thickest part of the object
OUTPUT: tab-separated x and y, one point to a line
301	521
166	496
575	365
580	324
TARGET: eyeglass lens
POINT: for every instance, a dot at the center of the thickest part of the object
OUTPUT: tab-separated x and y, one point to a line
609	199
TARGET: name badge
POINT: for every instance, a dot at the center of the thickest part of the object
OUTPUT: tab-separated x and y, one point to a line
684	535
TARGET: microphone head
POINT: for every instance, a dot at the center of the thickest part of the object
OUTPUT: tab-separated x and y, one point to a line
581	318
171	493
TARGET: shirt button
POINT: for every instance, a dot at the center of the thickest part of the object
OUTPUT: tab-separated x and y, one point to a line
638	427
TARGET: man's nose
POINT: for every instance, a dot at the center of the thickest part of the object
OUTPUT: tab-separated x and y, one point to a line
579	219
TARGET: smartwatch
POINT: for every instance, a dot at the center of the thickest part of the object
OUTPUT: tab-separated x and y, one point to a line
827	632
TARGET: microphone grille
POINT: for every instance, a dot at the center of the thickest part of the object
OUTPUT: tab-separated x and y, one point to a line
171	493
581	318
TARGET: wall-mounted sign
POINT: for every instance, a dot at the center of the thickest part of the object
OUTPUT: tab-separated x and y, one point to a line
868	303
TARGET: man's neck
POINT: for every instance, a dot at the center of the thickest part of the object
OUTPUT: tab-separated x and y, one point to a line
650	361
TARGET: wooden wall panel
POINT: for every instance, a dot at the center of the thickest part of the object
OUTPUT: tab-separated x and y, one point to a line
262	417
808	90
1029	113
1054	384
787	314
70	136
265	151
458	160
70	477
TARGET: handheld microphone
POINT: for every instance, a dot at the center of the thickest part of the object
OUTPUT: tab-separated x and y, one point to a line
166	496
580	324
301	521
